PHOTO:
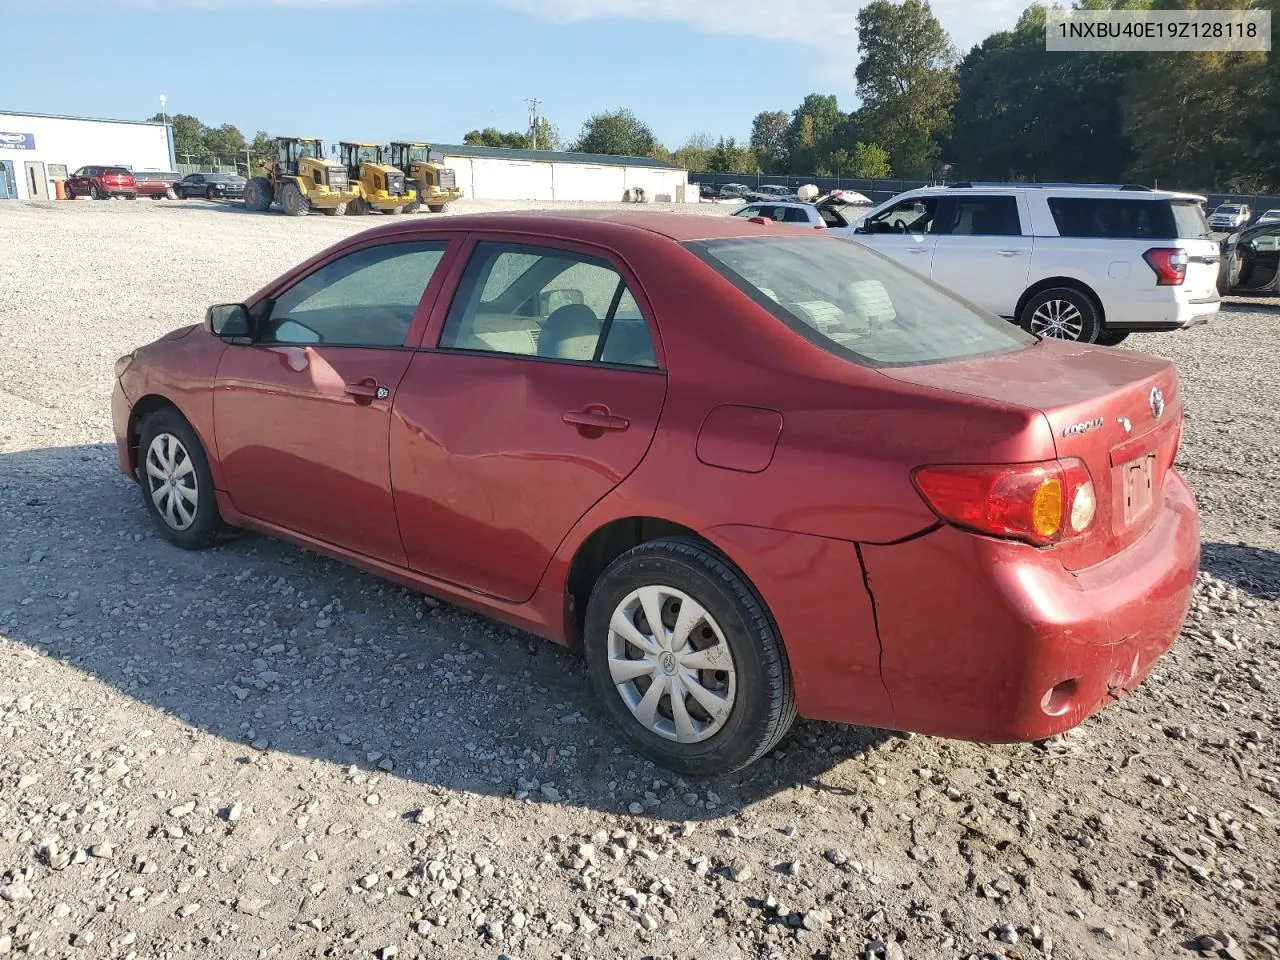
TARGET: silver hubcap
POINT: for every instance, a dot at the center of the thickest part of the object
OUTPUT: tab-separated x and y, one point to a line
671	664
1057	318
171	479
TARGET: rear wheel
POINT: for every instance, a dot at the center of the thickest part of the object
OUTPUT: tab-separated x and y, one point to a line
357	207
94	192
437	207
1062	313
170	194
292	200
177	485
258	194
686	659
337	211
393	211
414	205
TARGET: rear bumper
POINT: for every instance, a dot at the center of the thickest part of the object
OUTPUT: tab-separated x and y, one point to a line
991	640
1160	310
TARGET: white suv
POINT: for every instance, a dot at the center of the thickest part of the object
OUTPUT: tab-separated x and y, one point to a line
1076	262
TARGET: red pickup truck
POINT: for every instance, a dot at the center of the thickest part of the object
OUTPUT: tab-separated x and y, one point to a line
157	184
100	182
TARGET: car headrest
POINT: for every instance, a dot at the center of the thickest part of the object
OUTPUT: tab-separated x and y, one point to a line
570	333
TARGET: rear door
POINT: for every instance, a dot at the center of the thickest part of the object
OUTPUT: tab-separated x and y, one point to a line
1203	253
983	253
539	392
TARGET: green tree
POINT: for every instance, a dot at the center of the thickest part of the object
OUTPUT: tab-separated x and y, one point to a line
695	153
617	133
815	125
906	81
224	144
729	157
1022	113
865	160
262	148
493	137
769	138
188	137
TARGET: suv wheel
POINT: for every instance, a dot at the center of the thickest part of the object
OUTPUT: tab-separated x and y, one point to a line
1063	313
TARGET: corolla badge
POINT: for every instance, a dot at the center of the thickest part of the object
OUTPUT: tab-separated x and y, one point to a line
1083	427
1157	402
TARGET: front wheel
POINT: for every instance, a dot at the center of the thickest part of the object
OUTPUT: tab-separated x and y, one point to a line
357	207
170	194
337	211
1062	313
437	207
686	659
292	200
414	205
176	482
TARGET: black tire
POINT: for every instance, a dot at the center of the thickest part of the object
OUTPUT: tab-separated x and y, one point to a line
171	194
414	205
94	192
71	194
292	201
337	211
763	706
358	207
1063	313
166	506
1110	338
258	194
437	207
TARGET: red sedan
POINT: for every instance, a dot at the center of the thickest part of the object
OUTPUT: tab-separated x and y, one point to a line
752	471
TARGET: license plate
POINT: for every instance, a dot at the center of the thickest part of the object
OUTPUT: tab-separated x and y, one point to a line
1139	476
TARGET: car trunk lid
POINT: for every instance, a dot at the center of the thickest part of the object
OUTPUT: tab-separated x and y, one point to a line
1118	411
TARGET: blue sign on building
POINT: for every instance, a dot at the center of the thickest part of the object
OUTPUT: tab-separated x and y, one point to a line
17	141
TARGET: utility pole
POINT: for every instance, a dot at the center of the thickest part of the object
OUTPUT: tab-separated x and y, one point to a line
533	103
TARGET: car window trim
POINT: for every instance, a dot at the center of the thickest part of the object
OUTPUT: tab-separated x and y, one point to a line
434	330
421	314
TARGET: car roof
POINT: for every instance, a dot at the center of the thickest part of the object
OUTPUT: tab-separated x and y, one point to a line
602	227
778	203
1059	190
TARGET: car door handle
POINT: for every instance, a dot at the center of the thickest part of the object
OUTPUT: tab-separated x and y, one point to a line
916	250
595	420
366	390
1009	253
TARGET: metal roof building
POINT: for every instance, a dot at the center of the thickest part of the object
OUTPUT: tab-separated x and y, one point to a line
498	173
38	148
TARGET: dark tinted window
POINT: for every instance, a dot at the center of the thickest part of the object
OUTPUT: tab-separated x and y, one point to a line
1127	219
119	170
366	299
983	217
856	304
794	215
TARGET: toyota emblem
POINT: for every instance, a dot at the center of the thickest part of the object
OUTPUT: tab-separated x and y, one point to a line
1157	402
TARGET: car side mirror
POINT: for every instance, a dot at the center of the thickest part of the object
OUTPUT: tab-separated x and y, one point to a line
227	320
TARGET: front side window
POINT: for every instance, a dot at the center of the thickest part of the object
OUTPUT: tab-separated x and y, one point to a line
750	210
854	303
542	302
910	216
365	299
983	217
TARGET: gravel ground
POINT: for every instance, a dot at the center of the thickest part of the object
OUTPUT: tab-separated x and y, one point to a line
257	752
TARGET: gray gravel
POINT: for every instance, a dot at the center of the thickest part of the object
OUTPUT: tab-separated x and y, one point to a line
257	752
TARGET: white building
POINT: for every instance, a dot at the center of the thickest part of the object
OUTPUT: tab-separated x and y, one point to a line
37	148
497	173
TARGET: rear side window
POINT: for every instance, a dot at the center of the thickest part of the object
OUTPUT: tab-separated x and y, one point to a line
983	217
1127	219
794	215
857	304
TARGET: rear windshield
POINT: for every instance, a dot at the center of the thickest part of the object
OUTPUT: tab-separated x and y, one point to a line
1128	219
113	170
857	304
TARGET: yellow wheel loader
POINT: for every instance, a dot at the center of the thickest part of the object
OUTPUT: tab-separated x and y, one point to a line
301	179
382	186
437	185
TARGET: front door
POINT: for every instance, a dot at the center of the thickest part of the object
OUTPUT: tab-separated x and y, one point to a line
1259	259
302	413
37	183
981	252
905	231
542	396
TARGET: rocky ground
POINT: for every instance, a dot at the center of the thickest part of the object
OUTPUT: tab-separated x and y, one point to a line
257	752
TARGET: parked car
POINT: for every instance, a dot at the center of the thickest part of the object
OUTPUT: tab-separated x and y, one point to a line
156	184
1250	260
734	191
99	183
1068	261
635	434
211	186
1271	216
773	191
797	213
1229	216
708	191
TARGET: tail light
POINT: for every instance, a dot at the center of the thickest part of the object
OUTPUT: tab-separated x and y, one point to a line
1040	503
1169	264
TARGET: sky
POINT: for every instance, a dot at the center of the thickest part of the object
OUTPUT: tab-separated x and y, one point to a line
433	69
